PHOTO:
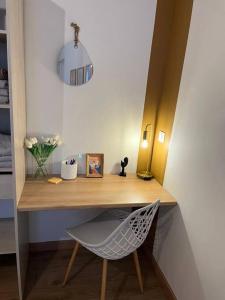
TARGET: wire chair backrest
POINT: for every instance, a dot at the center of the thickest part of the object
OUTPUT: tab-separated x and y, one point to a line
129	235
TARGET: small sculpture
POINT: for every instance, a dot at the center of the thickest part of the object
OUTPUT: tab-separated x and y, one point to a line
124	163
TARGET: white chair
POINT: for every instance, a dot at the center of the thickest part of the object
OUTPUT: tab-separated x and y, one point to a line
113	235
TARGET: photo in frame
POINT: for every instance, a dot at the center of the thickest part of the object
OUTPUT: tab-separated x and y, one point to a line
95	164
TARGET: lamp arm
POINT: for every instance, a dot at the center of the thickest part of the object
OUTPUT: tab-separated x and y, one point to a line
146	127
150	149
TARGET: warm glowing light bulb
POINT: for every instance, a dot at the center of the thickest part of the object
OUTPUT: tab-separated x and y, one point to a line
161	137
144	144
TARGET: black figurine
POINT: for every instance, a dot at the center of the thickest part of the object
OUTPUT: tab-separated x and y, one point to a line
124	163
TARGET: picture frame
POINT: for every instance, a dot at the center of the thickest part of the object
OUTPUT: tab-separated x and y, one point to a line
94	165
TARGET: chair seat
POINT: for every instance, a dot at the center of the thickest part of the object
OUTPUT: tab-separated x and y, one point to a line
98	229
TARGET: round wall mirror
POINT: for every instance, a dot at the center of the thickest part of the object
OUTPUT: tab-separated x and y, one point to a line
74	65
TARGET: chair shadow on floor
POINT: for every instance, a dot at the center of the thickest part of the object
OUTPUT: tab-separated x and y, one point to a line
46	272
122	280
77	270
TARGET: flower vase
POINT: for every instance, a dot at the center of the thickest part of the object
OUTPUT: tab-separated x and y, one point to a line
41	150
41	169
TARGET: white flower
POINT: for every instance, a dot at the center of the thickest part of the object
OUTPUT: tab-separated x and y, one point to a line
59	142
52	141
46	140
34	140
57	138
28	144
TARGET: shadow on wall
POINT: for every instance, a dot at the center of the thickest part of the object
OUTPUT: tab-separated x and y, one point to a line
51	225
116	169
172	248
165	220
44	36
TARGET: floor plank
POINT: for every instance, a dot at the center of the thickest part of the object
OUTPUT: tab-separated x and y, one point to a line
8	277
46	272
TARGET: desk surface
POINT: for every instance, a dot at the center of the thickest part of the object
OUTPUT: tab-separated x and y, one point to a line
110	191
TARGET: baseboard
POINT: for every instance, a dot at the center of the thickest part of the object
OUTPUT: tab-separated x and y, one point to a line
51	246
163	281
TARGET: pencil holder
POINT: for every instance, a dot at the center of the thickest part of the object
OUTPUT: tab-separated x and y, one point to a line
68	171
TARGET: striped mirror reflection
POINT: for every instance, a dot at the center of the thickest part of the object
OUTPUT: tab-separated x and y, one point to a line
74	65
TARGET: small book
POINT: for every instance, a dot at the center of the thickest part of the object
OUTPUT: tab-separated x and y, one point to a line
55	180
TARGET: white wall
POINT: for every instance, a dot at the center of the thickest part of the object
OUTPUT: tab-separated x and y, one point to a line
44	36
105	114
191	246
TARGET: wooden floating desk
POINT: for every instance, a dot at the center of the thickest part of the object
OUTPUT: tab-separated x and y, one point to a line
109	191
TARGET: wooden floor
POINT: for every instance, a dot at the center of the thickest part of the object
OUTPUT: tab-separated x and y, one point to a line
8	277
46	272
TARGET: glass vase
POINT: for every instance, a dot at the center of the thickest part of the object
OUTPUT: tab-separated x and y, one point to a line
41	169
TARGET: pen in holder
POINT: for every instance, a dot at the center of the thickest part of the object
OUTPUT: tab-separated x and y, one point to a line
68	170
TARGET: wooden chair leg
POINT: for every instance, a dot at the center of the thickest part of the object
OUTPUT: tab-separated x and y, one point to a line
104	278
138	270
72	259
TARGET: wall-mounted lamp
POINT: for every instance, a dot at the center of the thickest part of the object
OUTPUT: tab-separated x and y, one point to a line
146	175
144	143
